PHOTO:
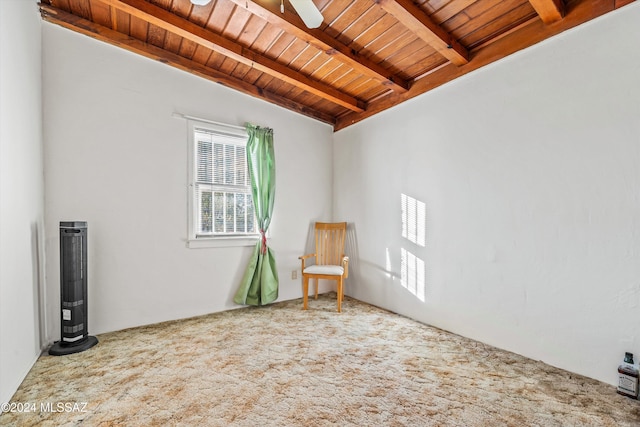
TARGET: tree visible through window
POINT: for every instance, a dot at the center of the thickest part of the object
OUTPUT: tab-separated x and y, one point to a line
222	200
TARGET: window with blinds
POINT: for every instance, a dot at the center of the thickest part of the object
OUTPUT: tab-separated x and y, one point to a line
221	201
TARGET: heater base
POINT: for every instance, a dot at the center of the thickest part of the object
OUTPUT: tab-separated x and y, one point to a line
61	348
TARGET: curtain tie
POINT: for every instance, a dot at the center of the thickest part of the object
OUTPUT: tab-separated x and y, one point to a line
263	237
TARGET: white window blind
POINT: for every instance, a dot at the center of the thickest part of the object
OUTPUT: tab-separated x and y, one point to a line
222	205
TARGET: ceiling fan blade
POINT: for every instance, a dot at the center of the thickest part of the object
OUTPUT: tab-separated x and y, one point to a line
308	11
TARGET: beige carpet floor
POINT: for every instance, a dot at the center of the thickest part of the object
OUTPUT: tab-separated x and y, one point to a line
281	366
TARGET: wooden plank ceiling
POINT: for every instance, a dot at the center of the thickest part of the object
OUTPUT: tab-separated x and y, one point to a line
367	56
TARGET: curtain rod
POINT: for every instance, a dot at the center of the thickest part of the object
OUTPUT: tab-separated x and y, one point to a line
185	116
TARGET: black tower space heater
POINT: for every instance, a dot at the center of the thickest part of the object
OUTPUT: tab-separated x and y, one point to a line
73	290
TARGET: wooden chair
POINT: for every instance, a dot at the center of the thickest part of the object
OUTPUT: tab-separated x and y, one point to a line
330	260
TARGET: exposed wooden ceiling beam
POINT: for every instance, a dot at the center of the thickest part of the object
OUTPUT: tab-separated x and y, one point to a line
418	22
99	32
549	10
292	24
580	12
195	33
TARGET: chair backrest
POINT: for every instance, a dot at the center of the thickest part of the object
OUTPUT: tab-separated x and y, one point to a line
330	239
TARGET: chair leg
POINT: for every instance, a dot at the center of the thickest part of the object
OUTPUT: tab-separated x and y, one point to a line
339	295
316	280
305	291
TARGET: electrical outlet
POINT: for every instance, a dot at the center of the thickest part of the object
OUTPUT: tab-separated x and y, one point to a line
294	274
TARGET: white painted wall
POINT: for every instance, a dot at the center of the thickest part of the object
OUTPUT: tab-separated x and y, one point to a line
529	170
21	192
116	158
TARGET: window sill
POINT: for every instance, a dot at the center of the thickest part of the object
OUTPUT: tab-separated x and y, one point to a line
221	242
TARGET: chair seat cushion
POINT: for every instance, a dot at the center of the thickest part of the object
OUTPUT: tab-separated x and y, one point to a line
333	270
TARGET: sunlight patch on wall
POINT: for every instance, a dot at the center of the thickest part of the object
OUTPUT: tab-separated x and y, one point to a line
387	265
412	273
413	219
412	268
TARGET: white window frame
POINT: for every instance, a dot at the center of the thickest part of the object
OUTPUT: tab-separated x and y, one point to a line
199	241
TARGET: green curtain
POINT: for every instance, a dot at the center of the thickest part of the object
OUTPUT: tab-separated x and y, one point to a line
259	285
